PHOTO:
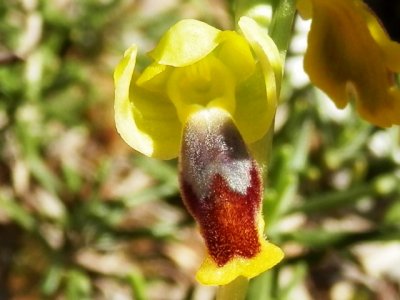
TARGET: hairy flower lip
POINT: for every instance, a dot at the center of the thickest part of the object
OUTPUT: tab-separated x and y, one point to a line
221	186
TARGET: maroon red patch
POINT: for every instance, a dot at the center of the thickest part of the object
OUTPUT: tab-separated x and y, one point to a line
227	219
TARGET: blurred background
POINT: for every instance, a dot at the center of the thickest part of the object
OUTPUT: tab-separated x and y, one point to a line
82	216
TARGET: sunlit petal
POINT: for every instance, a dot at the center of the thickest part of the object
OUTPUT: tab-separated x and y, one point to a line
145	121
185	43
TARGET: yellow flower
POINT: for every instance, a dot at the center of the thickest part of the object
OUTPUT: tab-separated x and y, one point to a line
351	57
207	97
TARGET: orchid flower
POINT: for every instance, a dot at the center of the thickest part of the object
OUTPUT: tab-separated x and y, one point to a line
207	98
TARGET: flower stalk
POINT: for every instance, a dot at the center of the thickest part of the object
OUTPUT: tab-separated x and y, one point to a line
235	290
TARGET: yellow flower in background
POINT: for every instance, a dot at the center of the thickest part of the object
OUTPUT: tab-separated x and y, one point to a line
351	57
207	97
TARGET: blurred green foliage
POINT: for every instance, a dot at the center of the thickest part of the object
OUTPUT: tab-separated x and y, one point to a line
83	217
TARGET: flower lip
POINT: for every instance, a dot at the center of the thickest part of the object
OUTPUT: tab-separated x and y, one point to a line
221	186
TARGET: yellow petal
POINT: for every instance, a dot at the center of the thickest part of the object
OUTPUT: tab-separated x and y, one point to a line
264	47
185	43
255	116
155	77
344	61
235	53
144	120
156	117
253	110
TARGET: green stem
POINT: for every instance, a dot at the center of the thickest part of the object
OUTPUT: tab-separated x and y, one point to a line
281	26
235	290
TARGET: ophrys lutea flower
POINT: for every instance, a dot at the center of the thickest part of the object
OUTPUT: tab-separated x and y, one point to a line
207	98
351	57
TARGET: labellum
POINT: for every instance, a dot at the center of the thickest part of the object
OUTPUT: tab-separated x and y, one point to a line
221	186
